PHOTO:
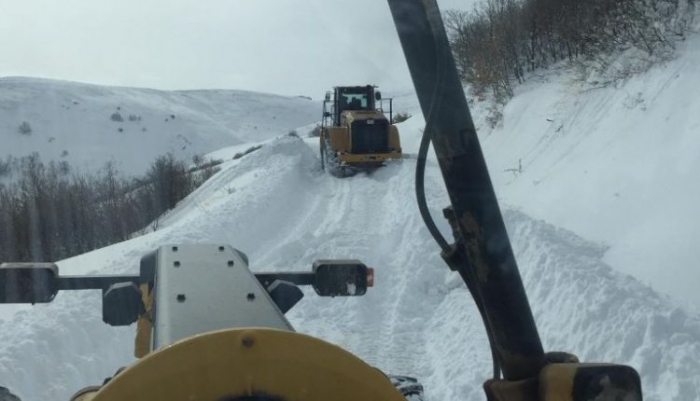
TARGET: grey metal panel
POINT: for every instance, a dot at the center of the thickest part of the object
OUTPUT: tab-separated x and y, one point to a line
205	287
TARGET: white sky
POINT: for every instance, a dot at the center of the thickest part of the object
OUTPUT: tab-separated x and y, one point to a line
278	46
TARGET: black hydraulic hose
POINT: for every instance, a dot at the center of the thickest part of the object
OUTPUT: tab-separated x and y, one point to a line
427	218
435	232
420	166
420	192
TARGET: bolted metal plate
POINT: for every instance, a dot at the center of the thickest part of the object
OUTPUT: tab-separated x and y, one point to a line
205	287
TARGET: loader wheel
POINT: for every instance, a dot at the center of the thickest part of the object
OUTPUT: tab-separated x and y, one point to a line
323	151
345	171
329	162
409	387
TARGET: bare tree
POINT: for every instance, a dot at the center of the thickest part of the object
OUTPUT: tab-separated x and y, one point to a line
500	40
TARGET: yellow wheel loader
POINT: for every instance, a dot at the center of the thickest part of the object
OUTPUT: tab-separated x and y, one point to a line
208	329
355	133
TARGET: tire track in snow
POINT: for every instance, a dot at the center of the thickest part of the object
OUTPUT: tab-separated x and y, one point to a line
360	217
380	225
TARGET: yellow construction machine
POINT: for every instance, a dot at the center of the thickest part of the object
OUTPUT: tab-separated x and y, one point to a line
356	135
207	328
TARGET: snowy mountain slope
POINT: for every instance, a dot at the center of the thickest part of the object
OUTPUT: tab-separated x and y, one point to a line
277	206
73	121
615	165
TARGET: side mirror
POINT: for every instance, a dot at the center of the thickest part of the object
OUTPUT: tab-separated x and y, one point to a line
328	96
341	277
589	381
326	114
28	283
377	95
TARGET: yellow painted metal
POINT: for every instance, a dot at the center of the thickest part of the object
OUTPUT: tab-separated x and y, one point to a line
339	138
237	362
367	157
86	394
144	327
350	116
557	381
394	139
519	390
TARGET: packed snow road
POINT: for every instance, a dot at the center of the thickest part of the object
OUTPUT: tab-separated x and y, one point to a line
276	205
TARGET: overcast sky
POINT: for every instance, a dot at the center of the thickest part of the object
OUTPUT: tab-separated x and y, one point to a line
277	46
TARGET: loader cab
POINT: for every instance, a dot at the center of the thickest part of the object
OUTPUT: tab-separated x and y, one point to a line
352	98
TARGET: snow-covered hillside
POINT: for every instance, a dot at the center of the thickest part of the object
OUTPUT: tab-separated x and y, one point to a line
615	165
74	122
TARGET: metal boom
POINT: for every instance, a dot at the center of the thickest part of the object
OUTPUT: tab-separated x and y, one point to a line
483	255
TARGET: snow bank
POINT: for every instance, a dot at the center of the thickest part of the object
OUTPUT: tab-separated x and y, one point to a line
615	165
581	305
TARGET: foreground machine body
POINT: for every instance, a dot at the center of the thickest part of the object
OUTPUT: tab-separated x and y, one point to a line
224	336
356	135
210	329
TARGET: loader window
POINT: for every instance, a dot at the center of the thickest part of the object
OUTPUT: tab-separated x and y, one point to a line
355	101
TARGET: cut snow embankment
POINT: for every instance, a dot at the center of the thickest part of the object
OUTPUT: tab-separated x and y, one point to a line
277	206
616	165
